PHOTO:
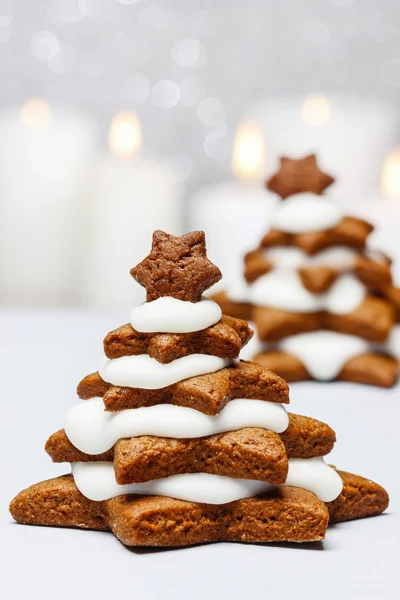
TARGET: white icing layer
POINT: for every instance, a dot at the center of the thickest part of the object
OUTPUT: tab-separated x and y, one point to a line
142	371
290	257
314	475
305	213
170	315
93	430
324	353
97	482
345	295
284	290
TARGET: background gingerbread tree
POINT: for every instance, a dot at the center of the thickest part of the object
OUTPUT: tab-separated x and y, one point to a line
177	442
323	304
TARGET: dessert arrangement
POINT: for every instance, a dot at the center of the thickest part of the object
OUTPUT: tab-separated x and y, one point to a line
177	442
324	306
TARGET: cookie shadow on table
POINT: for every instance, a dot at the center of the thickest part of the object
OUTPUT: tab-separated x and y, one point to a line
300	546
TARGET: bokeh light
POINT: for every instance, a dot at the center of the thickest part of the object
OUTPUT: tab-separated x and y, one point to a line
316	110
165	94
211	112
125	136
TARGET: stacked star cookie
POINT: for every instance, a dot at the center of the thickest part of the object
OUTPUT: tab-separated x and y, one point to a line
324	306
176	442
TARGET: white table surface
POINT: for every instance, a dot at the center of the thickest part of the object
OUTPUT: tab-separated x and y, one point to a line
43	356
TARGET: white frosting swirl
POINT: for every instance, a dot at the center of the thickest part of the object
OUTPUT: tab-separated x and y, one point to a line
142	371
97	482
324	353
93	430
305	213
284	290
170	315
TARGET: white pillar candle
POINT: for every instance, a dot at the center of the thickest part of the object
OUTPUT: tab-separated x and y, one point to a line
383	211
130	197
235	214
44	160
350	135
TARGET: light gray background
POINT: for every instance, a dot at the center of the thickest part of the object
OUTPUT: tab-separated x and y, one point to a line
190	68
43	356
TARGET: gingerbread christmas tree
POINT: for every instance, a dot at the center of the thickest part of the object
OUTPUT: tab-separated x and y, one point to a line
176	442
324	305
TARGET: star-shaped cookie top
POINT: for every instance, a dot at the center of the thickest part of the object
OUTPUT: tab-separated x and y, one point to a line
298	176
177	267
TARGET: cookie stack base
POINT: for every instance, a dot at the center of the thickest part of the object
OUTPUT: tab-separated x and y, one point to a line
286	514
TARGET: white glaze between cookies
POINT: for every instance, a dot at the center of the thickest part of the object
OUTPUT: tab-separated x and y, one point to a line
324	353
306	213
170	315
97	482
142	371
283	289
93	430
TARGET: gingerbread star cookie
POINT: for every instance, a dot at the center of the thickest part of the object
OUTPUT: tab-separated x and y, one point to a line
298	176
177	267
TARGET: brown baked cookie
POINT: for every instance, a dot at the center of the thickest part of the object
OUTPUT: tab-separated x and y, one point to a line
288	366
60	450
256	264
177	267
58	503
360	498
224	339
239	310
249	453
374	274
351	232
206	393
372	320
307	438
370	368
318	280
299	175
273	324
92	386
392	294
283	514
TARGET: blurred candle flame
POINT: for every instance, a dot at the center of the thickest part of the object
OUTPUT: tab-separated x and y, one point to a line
391	175
316	110
35	113
248	156
125	137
